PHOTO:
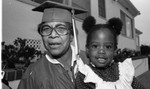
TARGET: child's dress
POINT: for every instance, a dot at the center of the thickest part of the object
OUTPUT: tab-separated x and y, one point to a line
117	76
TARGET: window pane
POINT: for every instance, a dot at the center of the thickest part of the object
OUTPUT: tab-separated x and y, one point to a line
101	5
129	27
124	25
137	41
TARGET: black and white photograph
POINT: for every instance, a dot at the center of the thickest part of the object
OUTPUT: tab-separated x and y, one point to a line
75	44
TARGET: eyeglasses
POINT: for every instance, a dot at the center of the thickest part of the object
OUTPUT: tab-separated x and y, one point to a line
46	30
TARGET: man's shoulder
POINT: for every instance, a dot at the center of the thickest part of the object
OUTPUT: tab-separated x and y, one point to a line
36	66
37	69
37	63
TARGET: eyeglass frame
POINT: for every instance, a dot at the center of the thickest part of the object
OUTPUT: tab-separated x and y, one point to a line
42	25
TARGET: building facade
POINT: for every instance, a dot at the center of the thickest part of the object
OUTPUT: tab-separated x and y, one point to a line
20	21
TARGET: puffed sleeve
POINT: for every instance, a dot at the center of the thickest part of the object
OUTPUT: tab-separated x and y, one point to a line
127	70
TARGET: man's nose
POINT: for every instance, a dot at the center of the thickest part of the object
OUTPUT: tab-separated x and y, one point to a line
54	34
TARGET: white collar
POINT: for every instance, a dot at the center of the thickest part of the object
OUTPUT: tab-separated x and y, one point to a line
54	61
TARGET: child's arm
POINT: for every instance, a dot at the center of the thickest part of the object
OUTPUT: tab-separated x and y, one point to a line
136	84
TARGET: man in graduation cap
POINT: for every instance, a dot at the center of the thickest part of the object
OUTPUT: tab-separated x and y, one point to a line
56	69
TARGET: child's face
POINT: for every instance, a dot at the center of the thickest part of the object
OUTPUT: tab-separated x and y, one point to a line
101	47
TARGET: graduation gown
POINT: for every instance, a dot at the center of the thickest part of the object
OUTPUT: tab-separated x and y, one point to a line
46	75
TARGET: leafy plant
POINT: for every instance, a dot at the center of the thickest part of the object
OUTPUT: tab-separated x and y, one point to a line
145	49
121	55
18	53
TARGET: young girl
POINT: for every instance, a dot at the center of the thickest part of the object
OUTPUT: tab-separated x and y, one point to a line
103	72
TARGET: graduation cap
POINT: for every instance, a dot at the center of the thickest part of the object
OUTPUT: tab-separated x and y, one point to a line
53	11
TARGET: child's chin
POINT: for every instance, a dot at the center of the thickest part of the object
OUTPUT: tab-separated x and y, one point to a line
100	65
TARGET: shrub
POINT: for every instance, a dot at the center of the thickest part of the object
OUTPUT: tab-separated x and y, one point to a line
18	53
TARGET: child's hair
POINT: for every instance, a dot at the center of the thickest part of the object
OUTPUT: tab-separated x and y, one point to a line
114	25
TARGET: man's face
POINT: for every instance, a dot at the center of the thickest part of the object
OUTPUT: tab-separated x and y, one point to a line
101	48
57	41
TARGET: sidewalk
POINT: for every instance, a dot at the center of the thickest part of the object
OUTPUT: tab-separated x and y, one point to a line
145	79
